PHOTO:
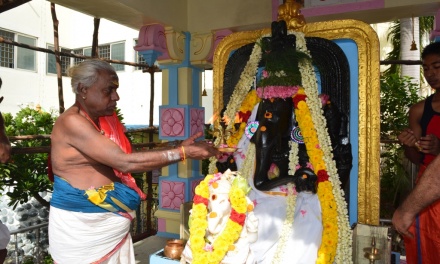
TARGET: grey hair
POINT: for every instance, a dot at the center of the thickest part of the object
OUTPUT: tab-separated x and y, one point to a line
87	73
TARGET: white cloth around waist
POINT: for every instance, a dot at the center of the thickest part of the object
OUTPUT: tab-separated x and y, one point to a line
76	238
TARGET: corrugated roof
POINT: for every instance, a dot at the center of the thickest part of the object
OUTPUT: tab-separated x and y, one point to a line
5	5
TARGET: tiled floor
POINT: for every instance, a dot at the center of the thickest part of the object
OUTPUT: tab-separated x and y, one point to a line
144	248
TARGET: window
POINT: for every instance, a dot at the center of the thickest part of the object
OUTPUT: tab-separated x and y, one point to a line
17	57
103	51
139	58
85	52
51	62
114	51
118	53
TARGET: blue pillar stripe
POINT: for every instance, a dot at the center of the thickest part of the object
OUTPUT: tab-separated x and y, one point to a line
186	61
196	171
173	170
195	95
173	85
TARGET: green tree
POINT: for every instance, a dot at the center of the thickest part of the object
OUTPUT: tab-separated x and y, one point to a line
397	94
426	24
26	174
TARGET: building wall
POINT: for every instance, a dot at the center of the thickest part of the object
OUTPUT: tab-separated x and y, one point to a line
24	87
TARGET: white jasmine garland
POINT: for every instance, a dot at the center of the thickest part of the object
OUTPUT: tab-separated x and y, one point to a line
212	168
248	165
280	74
293	157
239	93
286	231
243	85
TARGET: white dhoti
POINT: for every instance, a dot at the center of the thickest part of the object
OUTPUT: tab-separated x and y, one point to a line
91	226
105	237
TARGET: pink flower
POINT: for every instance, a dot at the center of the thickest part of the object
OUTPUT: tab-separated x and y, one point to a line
208	247
265	74
276	91
215	178
324	99
273	172
283	189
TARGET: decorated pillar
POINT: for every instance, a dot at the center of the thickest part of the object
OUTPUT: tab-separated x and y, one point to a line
183	57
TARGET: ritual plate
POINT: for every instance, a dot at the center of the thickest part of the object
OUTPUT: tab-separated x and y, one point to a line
227	149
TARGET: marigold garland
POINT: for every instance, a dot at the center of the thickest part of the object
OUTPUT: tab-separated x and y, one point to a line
327	250
199	223
344	245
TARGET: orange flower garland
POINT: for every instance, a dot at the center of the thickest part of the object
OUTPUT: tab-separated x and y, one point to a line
327	250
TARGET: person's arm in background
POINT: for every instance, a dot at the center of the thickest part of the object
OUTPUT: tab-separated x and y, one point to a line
5	145
410	137
426	192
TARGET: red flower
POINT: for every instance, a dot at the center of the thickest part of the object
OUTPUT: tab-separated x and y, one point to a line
322	176
298	98
237	217
199	199
244	116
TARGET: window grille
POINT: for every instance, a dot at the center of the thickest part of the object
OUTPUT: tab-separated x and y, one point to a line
138	58
114	51
65	62
17	57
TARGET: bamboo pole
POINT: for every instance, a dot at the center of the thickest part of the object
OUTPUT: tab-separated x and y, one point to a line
405	62
150	139
57	58
27	137
46	149
95	37
71	55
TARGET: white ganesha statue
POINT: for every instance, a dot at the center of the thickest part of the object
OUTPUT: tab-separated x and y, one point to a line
222	223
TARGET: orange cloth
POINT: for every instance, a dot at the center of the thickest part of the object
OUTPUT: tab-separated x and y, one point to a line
425	246
114	130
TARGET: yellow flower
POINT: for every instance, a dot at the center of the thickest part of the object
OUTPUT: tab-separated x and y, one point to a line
199	224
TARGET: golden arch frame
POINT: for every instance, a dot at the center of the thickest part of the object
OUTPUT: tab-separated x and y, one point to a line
369	98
